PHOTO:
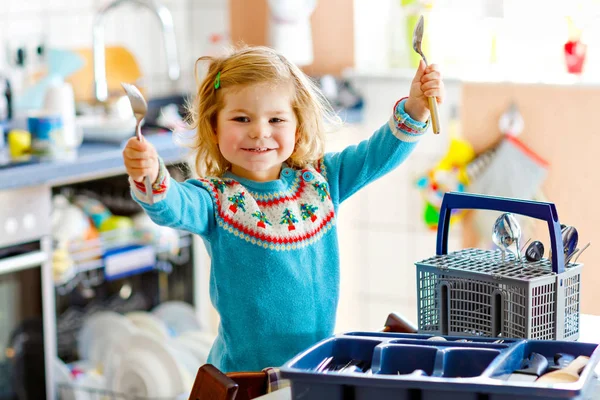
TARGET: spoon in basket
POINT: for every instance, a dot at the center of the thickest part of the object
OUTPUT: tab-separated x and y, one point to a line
507	233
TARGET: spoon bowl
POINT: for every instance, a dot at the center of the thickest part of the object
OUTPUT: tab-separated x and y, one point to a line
507	233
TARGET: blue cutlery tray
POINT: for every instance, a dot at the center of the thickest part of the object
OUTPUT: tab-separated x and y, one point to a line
455	369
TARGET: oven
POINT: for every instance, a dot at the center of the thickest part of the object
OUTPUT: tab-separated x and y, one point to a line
27	314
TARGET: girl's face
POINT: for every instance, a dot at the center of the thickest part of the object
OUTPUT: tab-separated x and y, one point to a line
256	130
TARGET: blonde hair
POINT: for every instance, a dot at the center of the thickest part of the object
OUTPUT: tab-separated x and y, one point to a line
246	66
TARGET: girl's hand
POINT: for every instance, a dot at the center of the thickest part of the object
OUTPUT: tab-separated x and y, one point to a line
141	159
426	83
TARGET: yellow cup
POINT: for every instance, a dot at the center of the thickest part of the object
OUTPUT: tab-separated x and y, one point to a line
19	143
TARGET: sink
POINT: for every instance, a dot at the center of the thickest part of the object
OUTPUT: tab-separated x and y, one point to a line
121	126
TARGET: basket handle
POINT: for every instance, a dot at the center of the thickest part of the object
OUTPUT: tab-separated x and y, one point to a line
534	209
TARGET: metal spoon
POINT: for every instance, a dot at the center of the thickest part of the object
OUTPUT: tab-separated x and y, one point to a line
570	238
140	108
433	108
535	251
507	232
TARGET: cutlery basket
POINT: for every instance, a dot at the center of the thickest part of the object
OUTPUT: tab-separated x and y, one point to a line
472	292
459	368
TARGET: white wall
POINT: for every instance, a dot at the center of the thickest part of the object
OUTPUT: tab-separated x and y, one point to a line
381	229
67	24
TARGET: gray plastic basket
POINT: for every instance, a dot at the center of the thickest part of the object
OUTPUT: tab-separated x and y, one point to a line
473	292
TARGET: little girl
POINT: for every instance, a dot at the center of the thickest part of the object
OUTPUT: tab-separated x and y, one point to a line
266	201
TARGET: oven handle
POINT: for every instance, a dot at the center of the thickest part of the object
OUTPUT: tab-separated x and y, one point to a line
22	261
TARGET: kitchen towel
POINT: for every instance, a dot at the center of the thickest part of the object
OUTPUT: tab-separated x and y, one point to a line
513	170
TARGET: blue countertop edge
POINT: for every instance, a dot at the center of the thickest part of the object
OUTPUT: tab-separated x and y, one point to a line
94	161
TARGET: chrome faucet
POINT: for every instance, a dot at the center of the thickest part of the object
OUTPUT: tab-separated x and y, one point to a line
99	54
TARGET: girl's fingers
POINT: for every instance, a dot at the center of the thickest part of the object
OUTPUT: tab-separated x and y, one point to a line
431	85
140	163
435	75
431	68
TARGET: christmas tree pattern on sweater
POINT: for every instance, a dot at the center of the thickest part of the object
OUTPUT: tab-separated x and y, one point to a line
285	220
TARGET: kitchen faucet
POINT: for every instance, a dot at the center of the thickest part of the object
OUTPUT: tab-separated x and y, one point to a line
169	39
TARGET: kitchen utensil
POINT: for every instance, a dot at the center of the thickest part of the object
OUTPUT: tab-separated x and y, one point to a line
140	108
568	374
433	108
570	238
568	258
324	365
397	323
525	245
561	360
531	369
507	233
437	339
582	250
352	366
535	251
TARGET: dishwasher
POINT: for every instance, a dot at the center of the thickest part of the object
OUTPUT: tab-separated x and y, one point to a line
126	276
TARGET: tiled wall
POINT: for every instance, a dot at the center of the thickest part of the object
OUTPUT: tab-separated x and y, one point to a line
381	228
67	24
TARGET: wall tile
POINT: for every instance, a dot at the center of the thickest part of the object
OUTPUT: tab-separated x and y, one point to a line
60	37
24	6
206	22
374	311
69	6
389	263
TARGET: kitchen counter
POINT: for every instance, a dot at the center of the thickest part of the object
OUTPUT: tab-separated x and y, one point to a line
94	161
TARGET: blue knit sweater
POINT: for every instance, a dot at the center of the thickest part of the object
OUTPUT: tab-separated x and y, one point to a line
274	275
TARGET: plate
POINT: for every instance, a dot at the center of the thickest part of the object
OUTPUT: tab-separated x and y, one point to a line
150	323
186	359
101	332
198	349
205	338
179	317
148	369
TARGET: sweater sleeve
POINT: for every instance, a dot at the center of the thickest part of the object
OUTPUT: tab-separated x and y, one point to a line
358	165
187	206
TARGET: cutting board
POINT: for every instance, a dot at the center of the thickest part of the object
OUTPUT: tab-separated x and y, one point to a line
121	66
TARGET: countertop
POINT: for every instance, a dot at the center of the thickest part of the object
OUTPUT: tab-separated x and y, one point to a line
94	160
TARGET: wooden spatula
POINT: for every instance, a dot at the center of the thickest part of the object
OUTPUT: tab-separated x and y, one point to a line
568	374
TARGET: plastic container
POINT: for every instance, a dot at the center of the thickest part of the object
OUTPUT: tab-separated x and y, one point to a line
453	369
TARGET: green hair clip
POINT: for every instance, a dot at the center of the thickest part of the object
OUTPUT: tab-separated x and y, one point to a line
218	80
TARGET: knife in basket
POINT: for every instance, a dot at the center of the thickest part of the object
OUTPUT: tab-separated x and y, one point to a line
531	369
